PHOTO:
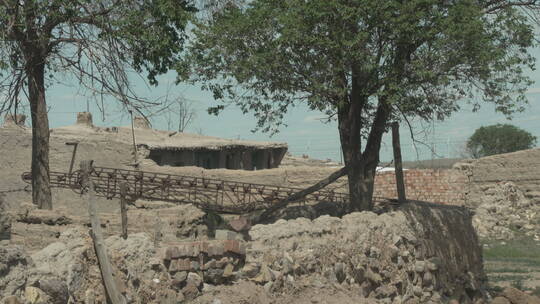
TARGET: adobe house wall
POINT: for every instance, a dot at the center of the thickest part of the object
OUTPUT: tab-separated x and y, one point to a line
277	156
233	158
247	160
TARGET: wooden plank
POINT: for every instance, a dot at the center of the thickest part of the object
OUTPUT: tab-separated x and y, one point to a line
400	182
123	208
113	294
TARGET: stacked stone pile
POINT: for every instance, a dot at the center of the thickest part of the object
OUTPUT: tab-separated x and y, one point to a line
418	254
506	211
399	257
67	271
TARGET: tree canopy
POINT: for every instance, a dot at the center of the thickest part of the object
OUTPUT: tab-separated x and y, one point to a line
364	63
499	138
95	43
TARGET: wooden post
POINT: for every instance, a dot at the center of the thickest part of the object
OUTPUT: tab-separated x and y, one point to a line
400	182
113	294
157	230
123	208
134	144
75	145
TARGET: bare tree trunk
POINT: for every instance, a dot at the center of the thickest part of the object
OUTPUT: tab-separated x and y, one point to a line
41	191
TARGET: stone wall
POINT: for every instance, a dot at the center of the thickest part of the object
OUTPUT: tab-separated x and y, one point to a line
438	186
522	168
420	253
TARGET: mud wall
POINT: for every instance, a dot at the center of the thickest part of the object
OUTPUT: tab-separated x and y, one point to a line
231	158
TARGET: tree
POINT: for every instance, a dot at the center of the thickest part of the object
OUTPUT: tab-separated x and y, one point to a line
499	138
186	113
182	109
94	42
364	63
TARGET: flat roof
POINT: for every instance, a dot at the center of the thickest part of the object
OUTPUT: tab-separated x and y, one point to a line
159	139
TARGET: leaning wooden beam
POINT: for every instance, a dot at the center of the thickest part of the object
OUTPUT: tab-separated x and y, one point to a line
113	295
299	195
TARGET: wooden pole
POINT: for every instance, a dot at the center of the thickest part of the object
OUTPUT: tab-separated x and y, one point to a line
75	145
113	294
123	208
400	182
134	144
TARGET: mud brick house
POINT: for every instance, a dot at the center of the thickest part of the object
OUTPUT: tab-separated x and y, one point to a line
183	149
178	149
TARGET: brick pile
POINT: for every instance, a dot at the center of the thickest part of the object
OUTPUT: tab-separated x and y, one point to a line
214	261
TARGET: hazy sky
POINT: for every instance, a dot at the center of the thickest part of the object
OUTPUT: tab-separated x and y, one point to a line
305	134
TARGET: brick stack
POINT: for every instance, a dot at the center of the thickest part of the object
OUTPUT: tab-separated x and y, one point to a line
214	261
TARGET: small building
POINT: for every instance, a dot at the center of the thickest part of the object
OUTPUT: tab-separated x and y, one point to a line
239	155
179	149
185	149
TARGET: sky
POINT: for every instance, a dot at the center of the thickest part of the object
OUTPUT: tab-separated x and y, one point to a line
304	133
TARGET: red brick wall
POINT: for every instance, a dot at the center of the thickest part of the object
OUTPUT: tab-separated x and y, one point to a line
433	185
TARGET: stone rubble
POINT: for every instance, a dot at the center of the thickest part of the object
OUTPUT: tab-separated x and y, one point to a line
398	257
506	211
387	256
5	220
